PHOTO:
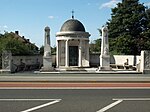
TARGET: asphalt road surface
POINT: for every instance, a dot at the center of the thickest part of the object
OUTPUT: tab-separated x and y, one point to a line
74	100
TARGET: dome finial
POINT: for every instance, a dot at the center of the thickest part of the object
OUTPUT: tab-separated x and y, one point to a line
72	14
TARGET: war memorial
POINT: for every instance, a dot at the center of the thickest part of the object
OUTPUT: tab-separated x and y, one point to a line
72	43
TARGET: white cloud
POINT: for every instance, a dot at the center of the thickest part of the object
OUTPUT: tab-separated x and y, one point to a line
110	4
51	17
5	26
147	4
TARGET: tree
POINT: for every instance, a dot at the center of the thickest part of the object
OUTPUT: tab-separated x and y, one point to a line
127	28
95	46
42	50
53	50
8	41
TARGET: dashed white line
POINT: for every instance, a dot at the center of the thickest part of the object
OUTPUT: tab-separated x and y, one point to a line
110	106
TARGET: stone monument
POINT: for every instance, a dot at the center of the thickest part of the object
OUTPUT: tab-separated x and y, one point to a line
145	62
104	57
47	58
6	61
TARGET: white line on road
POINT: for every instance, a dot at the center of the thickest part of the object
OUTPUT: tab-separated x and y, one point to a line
41	106
133	99
119	100
29	99
37	107
110	106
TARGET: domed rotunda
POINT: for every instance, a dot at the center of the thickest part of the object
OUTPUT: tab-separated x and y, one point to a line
72	45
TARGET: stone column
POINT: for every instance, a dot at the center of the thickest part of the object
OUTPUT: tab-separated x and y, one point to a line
57	53
145	62
87	53
104	57
80	53
47	58
7	61
47	40
67	54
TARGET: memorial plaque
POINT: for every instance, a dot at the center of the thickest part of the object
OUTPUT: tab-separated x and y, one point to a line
6	60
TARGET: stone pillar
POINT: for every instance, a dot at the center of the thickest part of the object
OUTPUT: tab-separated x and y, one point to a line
87	53
7	61
104	57
80	53
47	58
145	62
57	53
67	54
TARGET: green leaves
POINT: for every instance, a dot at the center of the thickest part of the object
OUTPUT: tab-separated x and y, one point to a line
129	24
8	41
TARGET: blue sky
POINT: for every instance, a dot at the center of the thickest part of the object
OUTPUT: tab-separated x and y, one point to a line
30	17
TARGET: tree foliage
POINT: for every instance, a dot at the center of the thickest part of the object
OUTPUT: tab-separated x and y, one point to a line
53	50
16	46
95	46
129	28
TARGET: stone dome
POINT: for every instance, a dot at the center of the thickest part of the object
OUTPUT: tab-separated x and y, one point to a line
72	25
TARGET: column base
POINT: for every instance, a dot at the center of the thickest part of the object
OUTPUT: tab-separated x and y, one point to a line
50	69
105	68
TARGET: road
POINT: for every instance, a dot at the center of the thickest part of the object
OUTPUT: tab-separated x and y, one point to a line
74	100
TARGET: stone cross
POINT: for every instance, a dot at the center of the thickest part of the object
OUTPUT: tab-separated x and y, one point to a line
72	14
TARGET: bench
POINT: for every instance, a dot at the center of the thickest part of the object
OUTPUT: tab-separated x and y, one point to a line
125	67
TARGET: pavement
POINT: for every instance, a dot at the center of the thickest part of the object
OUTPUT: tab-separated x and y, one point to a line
125	76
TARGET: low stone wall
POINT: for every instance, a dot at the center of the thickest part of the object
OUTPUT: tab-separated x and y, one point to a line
0	61
27	59
25	63
122	59
21	63
94	60
115	60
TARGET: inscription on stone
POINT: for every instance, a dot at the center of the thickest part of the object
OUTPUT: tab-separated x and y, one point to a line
147	59
6	60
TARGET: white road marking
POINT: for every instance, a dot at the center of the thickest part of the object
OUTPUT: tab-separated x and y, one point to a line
133	99
119	100
53	101
29	99
41	106
110	106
